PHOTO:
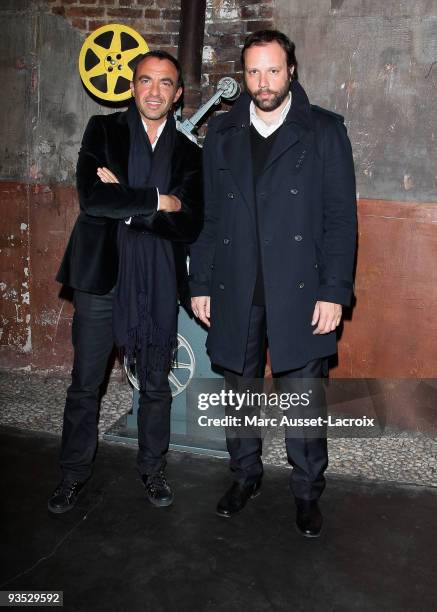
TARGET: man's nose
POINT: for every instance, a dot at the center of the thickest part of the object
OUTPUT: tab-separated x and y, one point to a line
154	88
263	82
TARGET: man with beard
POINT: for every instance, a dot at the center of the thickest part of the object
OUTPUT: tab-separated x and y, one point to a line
139	183
274	261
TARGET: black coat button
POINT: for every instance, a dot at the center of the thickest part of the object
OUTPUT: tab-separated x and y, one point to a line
294	191
301	285
221	286
231	195
298	237
226	241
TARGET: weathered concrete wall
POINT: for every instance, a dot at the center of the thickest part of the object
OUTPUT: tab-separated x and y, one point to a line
16	70
60	108
375	63
42	95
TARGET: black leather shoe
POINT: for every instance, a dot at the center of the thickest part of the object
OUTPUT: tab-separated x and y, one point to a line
158	490
236	498
308	518
65	496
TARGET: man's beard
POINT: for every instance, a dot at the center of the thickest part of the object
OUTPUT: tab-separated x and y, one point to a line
272	103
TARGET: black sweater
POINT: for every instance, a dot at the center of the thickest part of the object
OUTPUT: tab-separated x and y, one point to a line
260	148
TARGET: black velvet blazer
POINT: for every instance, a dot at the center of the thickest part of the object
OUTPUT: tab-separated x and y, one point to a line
90	262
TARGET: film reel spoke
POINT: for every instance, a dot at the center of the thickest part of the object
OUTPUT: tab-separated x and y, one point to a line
130	54
116	41
98	50
111	80
98	70
126	72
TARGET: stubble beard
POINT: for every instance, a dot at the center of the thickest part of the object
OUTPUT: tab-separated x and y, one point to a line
274	102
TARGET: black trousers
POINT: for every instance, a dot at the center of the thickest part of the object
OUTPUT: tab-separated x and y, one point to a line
93	343
307	453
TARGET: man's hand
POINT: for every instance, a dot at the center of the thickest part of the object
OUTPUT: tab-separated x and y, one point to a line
201	308
327	316
106	176
169	203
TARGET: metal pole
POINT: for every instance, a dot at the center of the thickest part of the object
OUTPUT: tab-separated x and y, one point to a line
191	34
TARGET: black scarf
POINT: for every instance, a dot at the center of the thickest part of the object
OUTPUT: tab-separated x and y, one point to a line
145	301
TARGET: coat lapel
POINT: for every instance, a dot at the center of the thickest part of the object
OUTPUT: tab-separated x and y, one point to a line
237	156
286	138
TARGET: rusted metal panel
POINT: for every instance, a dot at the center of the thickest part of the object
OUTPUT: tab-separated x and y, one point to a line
35	321
53	210
15	315
392	329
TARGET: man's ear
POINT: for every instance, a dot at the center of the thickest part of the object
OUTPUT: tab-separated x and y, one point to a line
177	95
132	89
291	71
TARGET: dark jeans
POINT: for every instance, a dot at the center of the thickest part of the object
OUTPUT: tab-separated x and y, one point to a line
307	453
93	344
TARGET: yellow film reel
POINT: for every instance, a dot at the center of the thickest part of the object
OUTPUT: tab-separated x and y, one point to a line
105	61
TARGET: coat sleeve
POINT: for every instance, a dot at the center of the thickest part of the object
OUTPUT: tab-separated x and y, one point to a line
111	200
337	256
202	252
186	184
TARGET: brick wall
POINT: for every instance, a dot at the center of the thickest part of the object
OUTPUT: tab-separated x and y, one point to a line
156	20
227	24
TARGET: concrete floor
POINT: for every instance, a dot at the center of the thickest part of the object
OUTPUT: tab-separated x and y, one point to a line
115	552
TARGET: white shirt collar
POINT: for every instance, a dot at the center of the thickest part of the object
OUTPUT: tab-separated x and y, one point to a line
158	133
266	129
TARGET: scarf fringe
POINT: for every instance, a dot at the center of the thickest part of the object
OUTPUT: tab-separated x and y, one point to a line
148	346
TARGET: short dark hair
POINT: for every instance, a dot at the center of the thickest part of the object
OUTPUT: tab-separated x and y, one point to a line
162	55
263	37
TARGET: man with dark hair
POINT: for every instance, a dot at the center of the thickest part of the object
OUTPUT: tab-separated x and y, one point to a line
162	55
263	37
139	184
274	261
